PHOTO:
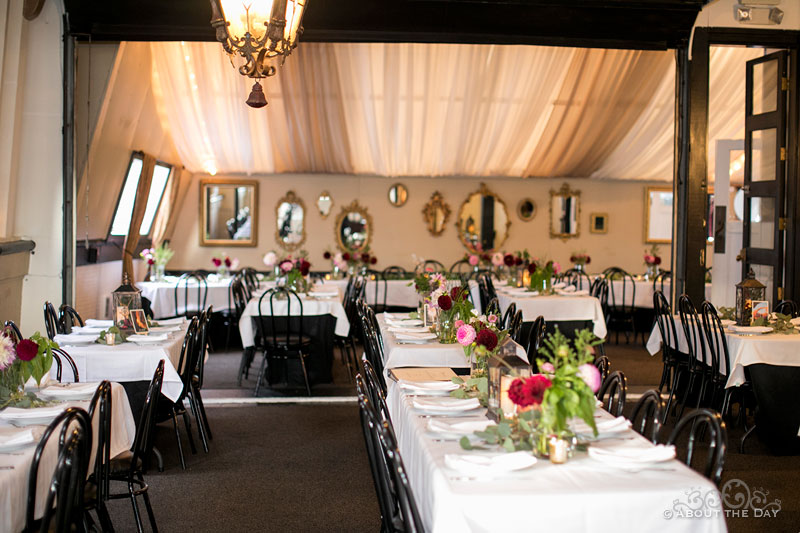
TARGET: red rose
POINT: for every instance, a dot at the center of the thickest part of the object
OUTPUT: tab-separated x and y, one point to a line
217	262
508	259
346	256
485	257
517	261
531	268
27	349
445	302
373	260
151	262
228	262
657	260
487	338
534	388
326	255
304	269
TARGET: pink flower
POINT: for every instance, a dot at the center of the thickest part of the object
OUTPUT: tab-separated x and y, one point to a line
217	261
492	319
590	375
497	259
465	335
556	267
473	260
547	368
234	264
286	265
459	323
269	259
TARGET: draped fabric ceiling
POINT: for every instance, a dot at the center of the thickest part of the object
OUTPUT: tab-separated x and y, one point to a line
436	110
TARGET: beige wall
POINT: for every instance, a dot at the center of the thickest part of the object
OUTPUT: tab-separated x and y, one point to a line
13	268
95	283
399	232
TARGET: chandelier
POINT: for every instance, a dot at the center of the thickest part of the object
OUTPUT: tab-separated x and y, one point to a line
257	31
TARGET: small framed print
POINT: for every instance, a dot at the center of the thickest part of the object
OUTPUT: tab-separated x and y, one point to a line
598	223
759	309
139	320
122	318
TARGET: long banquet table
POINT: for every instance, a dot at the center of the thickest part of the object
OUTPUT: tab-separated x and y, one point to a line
14	481
162	295
581	495
643	293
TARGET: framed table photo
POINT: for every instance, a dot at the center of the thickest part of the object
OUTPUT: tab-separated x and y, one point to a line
139	320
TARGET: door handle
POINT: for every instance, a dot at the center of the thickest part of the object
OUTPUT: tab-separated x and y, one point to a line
742	255
746	189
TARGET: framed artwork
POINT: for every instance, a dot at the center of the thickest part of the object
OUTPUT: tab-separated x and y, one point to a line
139	320
598	223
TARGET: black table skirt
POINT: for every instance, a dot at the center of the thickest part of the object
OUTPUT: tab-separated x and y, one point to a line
778	412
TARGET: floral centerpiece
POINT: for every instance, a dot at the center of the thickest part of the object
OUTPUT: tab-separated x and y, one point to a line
454	308
294	272
580	260
270	261
224	264
338	263
547	401
478	260
541	275
651	261
497	260
29	358
480	336
157	259
517	263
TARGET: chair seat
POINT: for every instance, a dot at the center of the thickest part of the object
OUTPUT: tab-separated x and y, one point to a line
305	342
121	464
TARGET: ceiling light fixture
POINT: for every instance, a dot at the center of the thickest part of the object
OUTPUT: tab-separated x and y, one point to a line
257	31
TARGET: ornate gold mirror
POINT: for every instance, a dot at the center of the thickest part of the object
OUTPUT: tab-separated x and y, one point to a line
483	221
436	213
658	215
565	213
228	215
526	209
324	204
353	228
290	215
398	195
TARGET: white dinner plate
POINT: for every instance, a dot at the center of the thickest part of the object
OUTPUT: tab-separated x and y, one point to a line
88	330
727	322
750	330
69	391
37	416
147	339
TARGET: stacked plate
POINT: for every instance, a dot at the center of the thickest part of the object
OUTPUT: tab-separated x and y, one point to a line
75	339
70	391
428	388
489	466
30	417
11	441
147	339
632	457
447	406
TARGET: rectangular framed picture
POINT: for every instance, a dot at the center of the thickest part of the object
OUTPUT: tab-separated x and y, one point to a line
760	309
122	317
139	320
598	223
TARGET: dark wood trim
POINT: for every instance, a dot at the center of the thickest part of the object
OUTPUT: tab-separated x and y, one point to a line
106	250
792	271
68	168
680	170
16	247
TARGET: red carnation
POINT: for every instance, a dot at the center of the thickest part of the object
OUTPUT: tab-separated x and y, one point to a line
517	261
346	256
373	261
217	262
455	293
487	339
445	302
326	255
516	393
27	349
304	269
228	262
508	259
151	262
365	258
531	268
534	388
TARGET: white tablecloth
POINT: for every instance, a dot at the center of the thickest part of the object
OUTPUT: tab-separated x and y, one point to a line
643	295
771	349
14	482
581	495
311	307
557	308
429	354
128	362
162	296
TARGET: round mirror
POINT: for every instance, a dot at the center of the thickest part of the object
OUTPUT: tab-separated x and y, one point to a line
290	230
353	228
324	204
398	194
483	222
526	209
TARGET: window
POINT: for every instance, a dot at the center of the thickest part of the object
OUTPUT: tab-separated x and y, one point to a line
122	218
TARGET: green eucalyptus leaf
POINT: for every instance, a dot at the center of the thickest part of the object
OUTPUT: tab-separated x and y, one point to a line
465	443
508	445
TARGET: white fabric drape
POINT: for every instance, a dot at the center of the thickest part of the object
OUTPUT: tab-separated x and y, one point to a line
404	109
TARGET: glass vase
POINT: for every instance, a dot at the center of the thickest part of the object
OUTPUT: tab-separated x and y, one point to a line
579	267
479	366
158	272
445	328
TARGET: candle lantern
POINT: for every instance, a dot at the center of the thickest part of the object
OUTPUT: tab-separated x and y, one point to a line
504	368
125	299
748	290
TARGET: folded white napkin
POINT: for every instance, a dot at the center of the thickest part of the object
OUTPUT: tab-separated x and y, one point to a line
750	329
87	330
559	285
148	338
569	288
446	404
17	413
400	329
73	390
604	426
164	329
171	321
18	438
632	456
324	294
582	292
404	323
415	336
488	466
795	321
427	385
458	428
99	323
75	338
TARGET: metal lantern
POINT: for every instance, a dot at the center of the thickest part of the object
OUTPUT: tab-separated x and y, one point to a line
747	291
504	368
126	298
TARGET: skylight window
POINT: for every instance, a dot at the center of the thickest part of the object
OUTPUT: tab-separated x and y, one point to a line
122	218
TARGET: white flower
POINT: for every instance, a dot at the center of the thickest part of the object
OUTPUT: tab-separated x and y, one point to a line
270	258
7	352
474	311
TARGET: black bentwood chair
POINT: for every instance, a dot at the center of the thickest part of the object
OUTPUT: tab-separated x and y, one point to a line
68	318
646	416
621	300
603	364
612	393
185	304
97	487
64	503
431	265
577	278
787	307
127	467
695	427
700	368
508	316
51	323
535	340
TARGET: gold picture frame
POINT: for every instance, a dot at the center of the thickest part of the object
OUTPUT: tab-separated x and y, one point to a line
434	210
482	191
649	194
598	223
354	207
289	198
205	238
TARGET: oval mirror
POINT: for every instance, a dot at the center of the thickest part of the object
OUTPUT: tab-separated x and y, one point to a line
483	223
565	213
290	231
526	209
228	214
353	228
436	213
324	204
398	194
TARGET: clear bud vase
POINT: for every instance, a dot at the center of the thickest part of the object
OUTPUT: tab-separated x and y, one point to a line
445	329
158	272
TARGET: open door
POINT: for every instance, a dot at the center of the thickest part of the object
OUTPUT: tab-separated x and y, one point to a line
765	172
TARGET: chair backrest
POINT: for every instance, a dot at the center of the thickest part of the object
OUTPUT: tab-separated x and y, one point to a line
66	489
188	357
612	393
143	440
787	307
490	287
376	390
381	288
405	502
461	266
394	272
250	278
599	289
658	283
509	315
12	331
283	328
693	331
535	339
373	348
240	296
646	415
621	291
578	278
431	265
603	364
101	404
666	324
717	341
68	317
58	355
493	307
51	321
200	345
704	426
515	328
193	282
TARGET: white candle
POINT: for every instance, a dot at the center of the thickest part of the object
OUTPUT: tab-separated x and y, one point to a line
506	404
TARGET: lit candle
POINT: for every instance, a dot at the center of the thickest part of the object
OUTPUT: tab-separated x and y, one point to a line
559	450
327	276
526	278
505	402
110	340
